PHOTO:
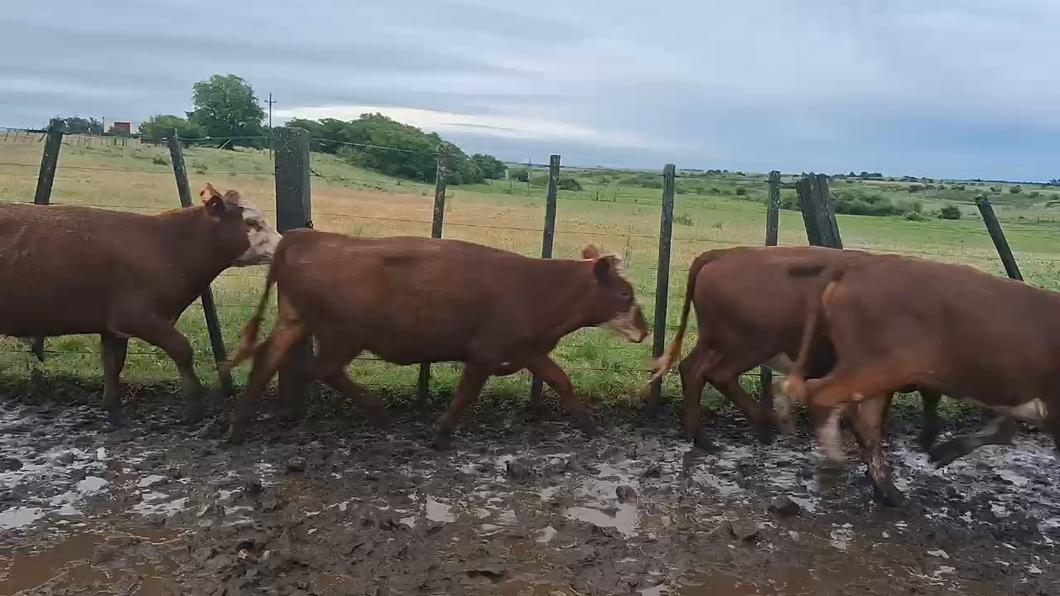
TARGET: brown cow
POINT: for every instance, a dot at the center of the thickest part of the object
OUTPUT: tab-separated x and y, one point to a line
751	312
979	338
415	300
67	270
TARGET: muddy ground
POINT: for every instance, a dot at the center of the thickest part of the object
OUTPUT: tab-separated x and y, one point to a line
516	507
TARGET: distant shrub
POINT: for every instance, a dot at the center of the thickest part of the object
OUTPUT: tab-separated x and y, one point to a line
159	160
914	188
958	187
714	191
1015	189
950	212
741	191
569	184
1034	194
915	216
519	174
684	220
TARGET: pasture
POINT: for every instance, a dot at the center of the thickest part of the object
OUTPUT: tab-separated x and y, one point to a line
618	210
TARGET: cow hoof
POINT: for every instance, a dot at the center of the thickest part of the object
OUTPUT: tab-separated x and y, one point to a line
926	440
766	435
442	442
942	455
886	493
587	426
236	435
117	419
706	445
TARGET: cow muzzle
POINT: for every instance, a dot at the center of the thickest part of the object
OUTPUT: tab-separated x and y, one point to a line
629	324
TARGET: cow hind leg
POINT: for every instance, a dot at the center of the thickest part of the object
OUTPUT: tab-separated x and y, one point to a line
930	431
1000	431
161	334
329	366
868	425
723	373
267	359
693	379
114	351
467	390
551	373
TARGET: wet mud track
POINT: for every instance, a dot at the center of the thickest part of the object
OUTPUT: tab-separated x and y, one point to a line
514	508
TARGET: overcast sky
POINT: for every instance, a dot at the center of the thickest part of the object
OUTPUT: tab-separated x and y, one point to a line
958	88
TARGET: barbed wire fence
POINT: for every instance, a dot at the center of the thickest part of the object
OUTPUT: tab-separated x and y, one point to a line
293	173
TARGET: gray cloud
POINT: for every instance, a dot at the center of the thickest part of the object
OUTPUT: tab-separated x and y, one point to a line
960	88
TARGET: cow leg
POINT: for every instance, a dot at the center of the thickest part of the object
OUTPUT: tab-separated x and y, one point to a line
1000	431
267	359
930	431
329	366
114	350
723	372
163	335
551	373
693	379
868	425
467	390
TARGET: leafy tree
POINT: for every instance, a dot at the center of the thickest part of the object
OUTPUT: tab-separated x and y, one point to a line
378	143
162	125
490	166
225	106
76	125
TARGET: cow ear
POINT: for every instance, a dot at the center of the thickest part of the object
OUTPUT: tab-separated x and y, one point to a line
591	252
215	206
208	192
603	269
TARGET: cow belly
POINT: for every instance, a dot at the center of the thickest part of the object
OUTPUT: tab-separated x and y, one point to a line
1032	412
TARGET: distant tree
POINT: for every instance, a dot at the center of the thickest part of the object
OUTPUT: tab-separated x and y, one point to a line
950	212
1016	189
161	126
75	125
225	106
491	167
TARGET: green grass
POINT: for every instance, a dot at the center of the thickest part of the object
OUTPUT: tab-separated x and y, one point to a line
617	210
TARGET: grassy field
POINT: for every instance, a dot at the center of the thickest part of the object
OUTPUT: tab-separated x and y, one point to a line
617	210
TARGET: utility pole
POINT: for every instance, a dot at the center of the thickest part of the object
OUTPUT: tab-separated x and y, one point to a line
270	102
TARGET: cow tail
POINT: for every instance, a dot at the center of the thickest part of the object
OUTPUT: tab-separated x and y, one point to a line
664	363
248	339
795	384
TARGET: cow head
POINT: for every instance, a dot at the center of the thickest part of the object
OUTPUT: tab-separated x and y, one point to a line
612	302
241	217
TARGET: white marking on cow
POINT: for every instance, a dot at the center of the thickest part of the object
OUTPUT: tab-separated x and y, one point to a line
263	238
624	325
1032	412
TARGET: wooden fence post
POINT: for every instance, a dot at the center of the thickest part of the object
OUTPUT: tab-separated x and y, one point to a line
772	235
818	211
662	282
293	210
441	181
1000	243
209	309
547	238
48	162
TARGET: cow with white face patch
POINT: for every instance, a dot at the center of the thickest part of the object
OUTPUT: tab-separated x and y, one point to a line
421	300
68	270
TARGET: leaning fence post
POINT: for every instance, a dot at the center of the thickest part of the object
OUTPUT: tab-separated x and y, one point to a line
209	309
772	235
818	211
662	282
1000	243
547	238
293	210
441	180
48	162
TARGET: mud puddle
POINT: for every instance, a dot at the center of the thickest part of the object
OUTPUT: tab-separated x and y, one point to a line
162	508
